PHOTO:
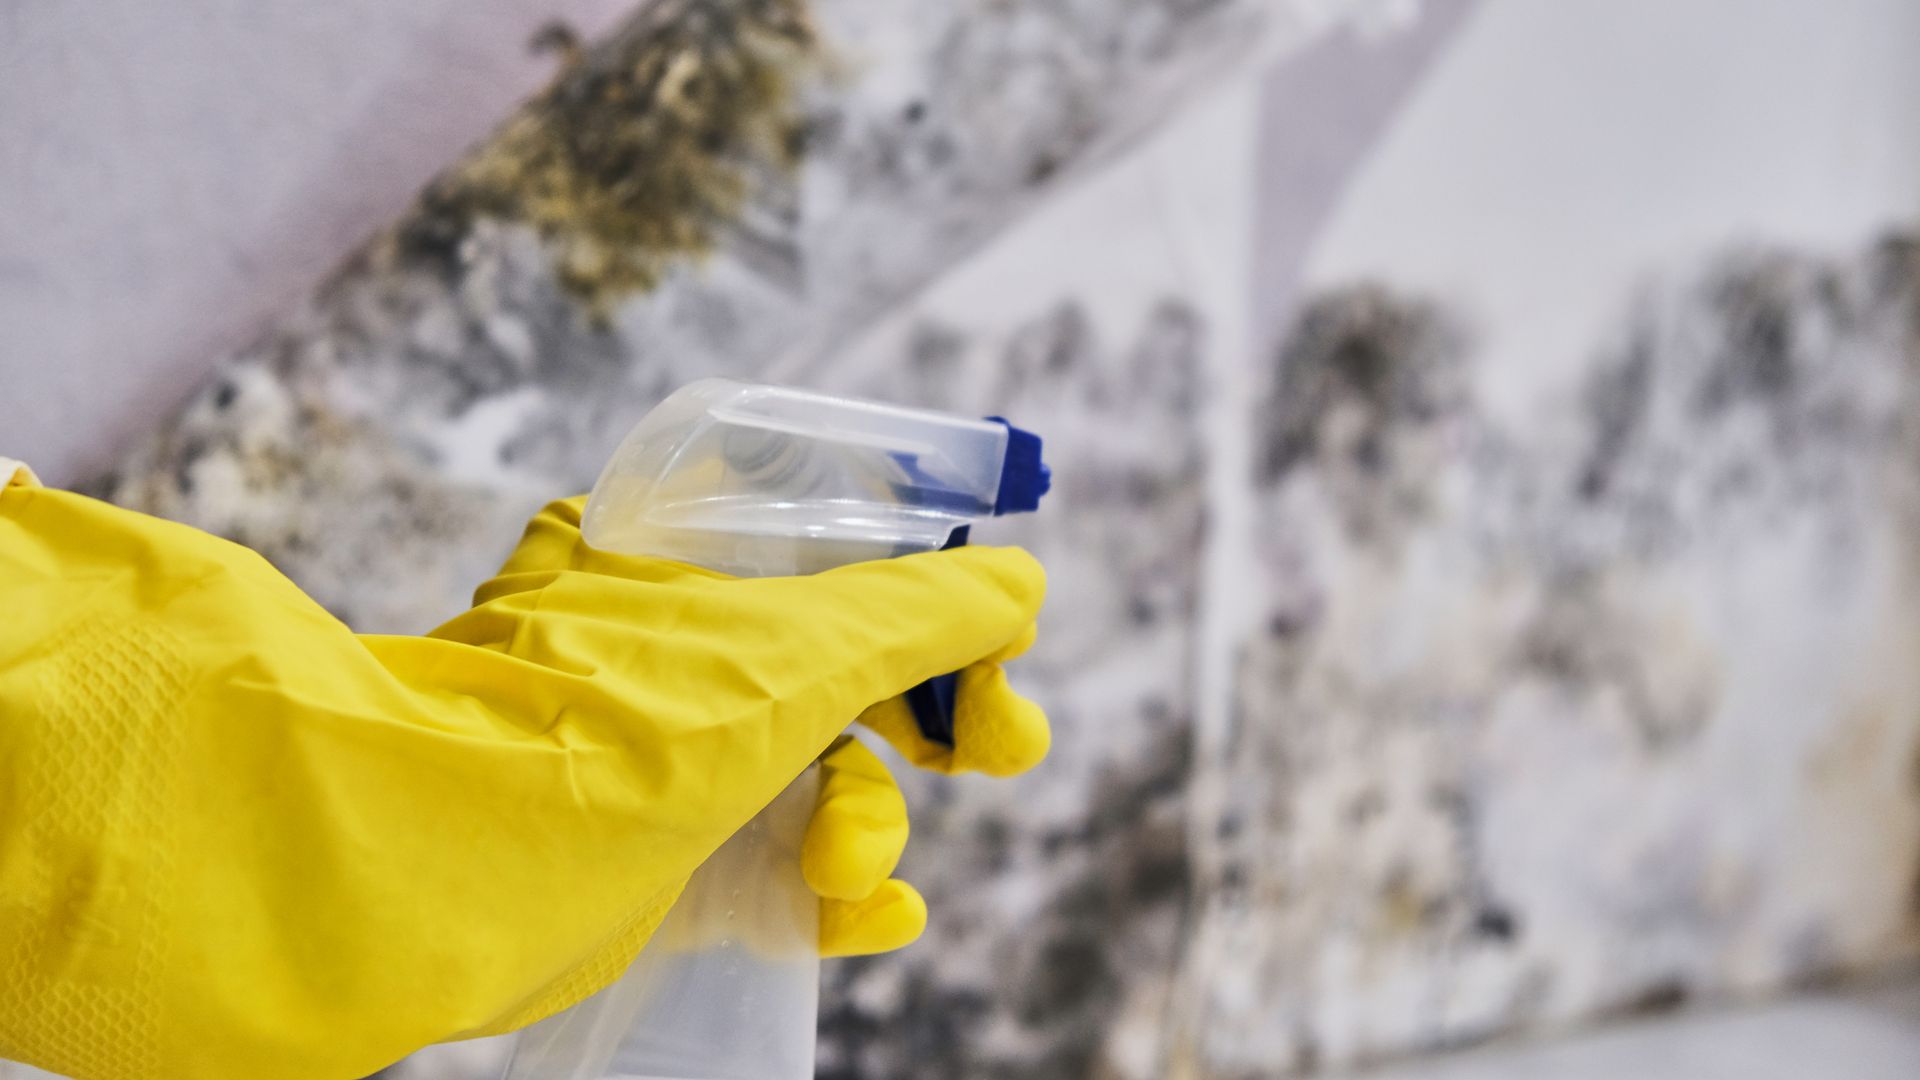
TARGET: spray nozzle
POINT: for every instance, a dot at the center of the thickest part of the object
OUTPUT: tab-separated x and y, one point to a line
1023	476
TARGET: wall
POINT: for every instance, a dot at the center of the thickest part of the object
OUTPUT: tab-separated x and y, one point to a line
1479	554
1573	648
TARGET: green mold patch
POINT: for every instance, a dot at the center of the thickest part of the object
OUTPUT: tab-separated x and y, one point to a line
644	148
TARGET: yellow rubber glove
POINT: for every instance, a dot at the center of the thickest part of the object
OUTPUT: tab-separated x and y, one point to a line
237	840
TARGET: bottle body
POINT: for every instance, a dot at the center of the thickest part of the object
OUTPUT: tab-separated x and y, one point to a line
727	988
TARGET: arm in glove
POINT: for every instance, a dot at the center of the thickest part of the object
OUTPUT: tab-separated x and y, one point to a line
238	840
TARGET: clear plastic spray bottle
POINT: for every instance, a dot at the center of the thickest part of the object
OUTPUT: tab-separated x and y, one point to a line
760	481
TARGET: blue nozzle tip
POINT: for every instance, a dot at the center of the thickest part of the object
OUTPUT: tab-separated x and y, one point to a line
1023	476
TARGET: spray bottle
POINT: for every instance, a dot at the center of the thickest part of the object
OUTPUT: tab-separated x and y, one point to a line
759	481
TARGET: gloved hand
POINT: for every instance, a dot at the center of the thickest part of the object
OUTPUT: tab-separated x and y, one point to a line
238	840
859	827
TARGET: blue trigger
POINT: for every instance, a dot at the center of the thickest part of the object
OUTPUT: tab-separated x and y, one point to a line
932	701
932	705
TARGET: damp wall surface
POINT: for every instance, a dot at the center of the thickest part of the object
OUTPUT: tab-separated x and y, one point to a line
1481	552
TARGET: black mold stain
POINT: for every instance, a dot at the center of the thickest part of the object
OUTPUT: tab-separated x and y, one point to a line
1582	643
1496	924
1063	979
1663	997
556	37
100	486
190	454
1758	312
645	148
1070	970
1307	1052
1893	266
995	839
1616	402
1913	901
1391	357
1366	807
929	1023
1745	389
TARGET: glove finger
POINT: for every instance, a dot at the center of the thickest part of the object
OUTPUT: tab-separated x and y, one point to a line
892	918
995	730
777	666
551	540
905	619
1017	647
859	825
866	632
552	543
